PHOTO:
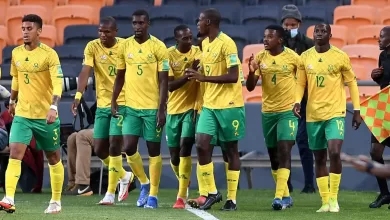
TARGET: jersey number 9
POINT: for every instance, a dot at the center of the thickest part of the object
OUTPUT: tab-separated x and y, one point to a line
208	70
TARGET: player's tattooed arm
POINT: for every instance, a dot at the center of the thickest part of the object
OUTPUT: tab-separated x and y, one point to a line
56	100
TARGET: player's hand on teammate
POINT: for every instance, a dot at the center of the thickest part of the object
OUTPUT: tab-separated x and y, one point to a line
51	116
193	74
161	118
11	109
376	73
297	109
74	106
195	65
356	120
253	66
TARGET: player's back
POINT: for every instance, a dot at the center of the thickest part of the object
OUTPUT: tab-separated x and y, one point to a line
278	79
103	60
217	57
142	63
182	99
36	71
326	74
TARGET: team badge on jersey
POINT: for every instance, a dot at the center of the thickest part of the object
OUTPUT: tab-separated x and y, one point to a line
263	66
130	56
310	67
284	68
104	57
35	65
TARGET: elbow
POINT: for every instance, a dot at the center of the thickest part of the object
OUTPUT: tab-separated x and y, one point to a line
170	87
249	87
233	78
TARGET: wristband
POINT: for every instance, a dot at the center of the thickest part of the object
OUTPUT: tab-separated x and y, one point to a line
54	107
78	95
11	102
369	167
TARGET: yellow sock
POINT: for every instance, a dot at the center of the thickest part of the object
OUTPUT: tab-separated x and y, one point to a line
334	184
227	179
175	170
185	168
281	183
115	168
232	184
208	176
323	187
56	180
106	161
286	191
155	167
12	176
201	183
136	165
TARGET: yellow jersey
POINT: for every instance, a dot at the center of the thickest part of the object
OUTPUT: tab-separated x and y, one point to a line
37	76
278	74
103	60
182	99
217	57
142	63
325	75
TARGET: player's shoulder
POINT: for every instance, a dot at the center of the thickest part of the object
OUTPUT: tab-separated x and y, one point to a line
171	49
18	49
338	51
290	52
261	54
156	42
195	48
46	48
308	52
226	39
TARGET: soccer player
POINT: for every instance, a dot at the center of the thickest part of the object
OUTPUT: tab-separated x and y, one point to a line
37	83
223	112
101	55
325	69
180	127
277	66
142	67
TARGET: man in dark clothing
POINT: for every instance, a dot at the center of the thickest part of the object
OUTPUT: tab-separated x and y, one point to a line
299	42
381	76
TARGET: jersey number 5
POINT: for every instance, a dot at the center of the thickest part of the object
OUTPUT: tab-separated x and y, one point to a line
112	70
140	70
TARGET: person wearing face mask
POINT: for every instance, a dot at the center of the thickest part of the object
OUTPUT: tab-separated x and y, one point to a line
299	42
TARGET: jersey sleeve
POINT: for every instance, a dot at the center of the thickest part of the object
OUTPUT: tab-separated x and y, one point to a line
301	80
350	79
170	72
230	53
120	60
55	73
88	55
162	57
258	58
14	74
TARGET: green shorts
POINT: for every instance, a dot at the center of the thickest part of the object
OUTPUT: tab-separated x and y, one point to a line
214	140
319	133
47	136
228	124
179	126
279	126
142	123
106	125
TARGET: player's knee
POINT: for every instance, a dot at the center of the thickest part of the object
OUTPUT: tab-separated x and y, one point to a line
53	157
17	151
334	155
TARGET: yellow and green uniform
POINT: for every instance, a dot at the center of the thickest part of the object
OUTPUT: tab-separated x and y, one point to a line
325	75
181	102
32	71
278	75
142	63
103	60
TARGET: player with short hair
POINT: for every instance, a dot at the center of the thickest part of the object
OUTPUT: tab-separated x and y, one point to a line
142	67
100	54
180	127
325	69
34	66
223	112
277	66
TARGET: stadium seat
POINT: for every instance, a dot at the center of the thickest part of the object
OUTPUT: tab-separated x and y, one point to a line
312	15
166	15
70	70
231	13
361	72
125	31
368	34
249	50
3	9
367	91
95	4
239	34
384	16
48	36
71	54
5	71
164	33
363	54
226	2
375	3
339	35
3	38
48	4
260	15
353	16
121	13
7	54
134	2
14	17
188	3
70	15
80	34
278	3
110	2
254	96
